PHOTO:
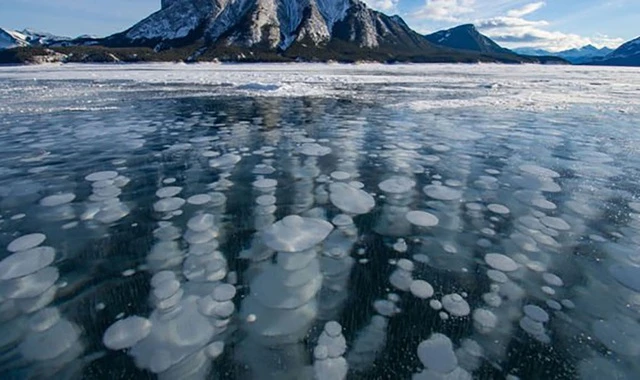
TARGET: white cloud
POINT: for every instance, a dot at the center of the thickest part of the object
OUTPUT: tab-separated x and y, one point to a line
527	9
388	6
445	10
514	30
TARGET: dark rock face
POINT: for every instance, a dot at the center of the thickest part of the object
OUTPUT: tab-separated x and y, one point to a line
466	37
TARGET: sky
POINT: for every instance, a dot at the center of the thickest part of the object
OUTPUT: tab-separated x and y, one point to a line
553	24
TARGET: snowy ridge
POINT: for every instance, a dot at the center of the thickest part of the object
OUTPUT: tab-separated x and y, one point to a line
333	11
627	49
266	24
10	39
176	20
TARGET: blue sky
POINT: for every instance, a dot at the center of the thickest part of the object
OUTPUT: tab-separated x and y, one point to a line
551	24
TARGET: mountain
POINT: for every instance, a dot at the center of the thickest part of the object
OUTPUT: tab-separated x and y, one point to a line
627	54
277	30
37	38
10	39
293	29
27	37
579	55
269	25
466	37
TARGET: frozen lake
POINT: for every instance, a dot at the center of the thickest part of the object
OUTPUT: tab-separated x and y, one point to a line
319	222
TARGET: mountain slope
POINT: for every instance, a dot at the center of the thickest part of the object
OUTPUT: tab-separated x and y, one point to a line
466	37
10	39
626	55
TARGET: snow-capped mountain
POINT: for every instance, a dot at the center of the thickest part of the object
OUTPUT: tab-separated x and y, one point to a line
466	37
11	39
627	54
269	25
579	55
27	37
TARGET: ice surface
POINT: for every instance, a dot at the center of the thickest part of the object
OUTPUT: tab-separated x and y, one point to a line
531	207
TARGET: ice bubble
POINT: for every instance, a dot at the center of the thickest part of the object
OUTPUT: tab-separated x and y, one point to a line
101	176
169	181
251	318
125	333
536	266
492	299
225	161
168	192
435	304
533	327
342	220
436	353
385	308
168	204
543	204
421	289
167	233
497	276
296	234
44	319
552	279
314	149
498	209
166	289
536	313
400	246
555	223
224	292
199	199
555	305
266	200
128	273
356	184
397	185
340	175
321	353
51	343
265	183
539	171
627	275
333	329
26	242
161	277
442	193
215	349
350	200
26	262
263	169
201	237
201	222
443	315
548	290
112	213
422	219
500	262
456	305
57	199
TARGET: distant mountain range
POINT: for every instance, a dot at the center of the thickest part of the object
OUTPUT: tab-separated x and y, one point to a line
580	55
266	30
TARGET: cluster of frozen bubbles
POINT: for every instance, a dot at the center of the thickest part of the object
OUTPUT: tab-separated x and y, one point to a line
282	313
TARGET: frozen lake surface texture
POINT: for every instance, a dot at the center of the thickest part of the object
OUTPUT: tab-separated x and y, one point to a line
319	222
